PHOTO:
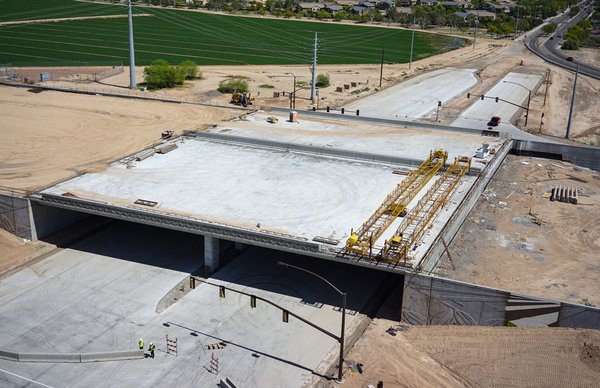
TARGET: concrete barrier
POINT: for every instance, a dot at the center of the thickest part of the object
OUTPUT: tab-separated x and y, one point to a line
72	357
112	356
49	357
585	156
10	356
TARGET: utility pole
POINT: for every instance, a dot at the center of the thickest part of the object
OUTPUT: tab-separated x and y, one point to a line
412	42
132	83
572	102
517	22
314	72
381	71
476	26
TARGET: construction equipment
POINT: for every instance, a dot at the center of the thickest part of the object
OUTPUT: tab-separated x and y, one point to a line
362	240
413	227
167	134
243	99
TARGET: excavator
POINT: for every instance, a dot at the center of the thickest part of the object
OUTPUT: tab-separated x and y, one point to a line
244	99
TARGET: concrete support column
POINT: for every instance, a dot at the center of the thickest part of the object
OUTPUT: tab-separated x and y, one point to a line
211	253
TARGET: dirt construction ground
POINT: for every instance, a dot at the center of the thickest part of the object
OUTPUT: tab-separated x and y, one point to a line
468	356
517	239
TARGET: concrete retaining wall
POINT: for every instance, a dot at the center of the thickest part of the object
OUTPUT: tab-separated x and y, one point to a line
582	156
72	357
429	300
33	221
49	220
15	216
437	249
436	301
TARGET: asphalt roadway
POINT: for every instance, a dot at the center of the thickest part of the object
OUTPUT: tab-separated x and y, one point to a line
101	294
549	50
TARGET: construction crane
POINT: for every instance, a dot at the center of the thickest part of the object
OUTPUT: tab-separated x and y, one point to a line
412	228
361	241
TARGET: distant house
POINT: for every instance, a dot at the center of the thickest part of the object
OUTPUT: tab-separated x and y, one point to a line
358	9
480	14
333	8
384	4
366	4
312	7
453	4
427	2
347	2
405	3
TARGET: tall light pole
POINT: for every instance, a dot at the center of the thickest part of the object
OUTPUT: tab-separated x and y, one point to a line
293	98
528	97
340	378
132	83
572	102
314	71
412	41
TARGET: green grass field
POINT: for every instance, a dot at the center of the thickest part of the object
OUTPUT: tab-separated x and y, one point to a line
208	39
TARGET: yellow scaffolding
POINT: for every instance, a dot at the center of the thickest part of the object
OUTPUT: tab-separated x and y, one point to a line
412	228
361	241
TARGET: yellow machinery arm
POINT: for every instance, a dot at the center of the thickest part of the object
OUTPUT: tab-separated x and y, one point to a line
361	241
413	227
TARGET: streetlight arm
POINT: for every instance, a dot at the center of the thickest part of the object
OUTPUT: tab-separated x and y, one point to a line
286	265
514	83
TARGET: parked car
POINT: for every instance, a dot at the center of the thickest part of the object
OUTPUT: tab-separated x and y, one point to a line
494	121
570	59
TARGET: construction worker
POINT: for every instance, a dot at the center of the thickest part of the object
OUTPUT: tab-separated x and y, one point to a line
141	344
151	349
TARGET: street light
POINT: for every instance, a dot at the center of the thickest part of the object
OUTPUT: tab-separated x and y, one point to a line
293	98
528	97
340	378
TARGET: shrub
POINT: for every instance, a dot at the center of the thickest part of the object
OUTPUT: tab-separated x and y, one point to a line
322	81
266	86
190	70
161	75
549	28
233	85
570	45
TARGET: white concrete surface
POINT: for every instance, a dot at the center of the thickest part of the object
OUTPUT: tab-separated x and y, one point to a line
417	97
254	188
101	295
509	89
411	143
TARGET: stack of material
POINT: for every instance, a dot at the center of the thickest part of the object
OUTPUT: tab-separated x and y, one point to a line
163	149
564	194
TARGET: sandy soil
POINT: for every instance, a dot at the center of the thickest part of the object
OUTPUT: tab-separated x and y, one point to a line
467	356
15	251
51	136
500	244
